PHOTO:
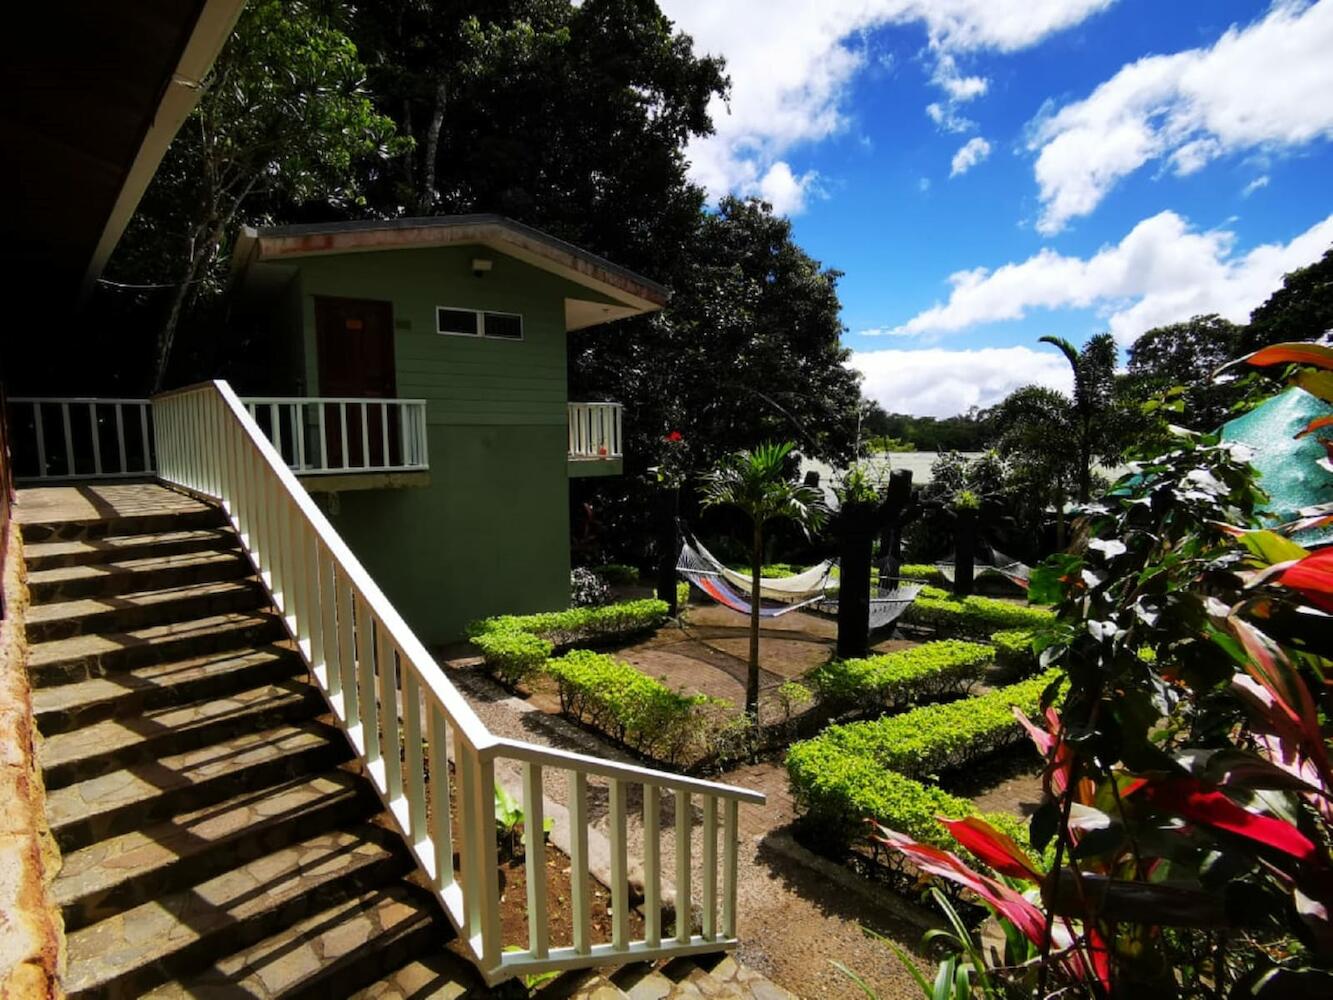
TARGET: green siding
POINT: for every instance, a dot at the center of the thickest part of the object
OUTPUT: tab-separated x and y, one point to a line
490	534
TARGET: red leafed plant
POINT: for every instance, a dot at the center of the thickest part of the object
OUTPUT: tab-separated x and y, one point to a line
1188	809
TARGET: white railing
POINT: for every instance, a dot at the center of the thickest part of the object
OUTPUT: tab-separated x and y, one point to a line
58	439
387	691
594	431
318	435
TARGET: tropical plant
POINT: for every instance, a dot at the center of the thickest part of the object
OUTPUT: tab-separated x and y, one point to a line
587	589
511	821
757	484
1189	793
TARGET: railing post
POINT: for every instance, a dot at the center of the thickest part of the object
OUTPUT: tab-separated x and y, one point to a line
534	856
684	906
440	833
652	866
581	913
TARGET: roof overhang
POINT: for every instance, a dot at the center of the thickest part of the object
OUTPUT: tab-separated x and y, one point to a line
98	92
629	294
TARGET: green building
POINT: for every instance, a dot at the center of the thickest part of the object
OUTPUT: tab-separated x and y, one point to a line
414	377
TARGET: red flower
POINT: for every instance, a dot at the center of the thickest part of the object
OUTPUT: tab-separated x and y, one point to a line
675	436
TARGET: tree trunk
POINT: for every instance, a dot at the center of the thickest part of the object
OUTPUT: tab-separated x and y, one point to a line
752	676
426	198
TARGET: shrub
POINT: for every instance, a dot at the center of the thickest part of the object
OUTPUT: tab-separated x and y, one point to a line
606	623
837	792
682	594
631	707
921	571
513	656
618	574
932	738
896	679
972	615
793	696
587	589
1014	652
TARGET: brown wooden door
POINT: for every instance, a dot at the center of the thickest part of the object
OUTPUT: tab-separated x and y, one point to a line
355	338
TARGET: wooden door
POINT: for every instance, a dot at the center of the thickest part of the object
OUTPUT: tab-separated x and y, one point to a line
356	361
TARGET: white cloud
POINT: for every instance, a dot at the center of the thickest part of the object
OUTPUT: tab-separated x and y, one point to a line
1163	271
923	185
972	152
786	192
1264	86
792	62
945	115
939	383
1259	182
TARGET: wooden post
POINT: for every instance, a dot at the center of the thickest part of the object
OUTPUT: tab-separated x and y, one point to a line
965	542
856	531
668	543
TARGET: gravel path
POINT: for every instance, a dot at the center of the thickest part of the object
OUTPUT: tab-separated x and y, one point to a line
797	912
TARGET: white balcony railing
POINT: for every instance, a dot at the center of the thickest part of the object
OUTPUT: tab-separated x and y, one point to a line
594	431
318	435
55	439
387	692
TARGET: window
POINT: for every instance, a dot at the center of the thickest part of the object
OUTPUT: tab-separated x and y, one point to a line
505	326
476	323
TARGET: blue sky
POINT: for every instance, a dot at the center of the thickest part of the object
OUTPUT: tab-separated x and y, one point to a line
988	171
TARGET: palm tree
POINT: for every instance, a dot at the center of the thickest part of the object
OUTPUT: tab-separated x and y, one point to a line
1094	417
755	482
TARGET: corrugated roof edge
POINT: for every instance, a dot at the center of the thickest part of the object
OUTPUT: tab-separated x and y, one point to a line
449	221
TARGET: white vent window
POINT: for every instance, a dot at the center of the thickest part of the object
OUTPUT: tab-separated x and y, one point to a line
477	323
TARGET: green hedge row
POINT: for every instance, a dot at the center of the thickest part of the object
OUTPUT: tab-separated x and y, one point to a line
600	624
973	616
1013	651
932	738
922	571
899	678
513	656
838	791
639	711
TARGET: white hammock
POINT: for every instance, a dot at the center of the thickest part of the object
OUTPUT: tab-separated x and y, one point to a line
808	583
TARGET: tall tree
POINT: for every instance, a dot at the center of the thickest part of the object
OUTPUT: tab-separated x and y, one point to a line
283	117
1186	355
1096	427
757	484
1302	309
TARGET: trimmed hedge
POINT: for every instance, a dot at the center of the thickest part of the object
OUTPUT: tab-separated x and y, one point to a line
603	624
972	616
933	738
1013	651
921	571
631	707
839	791
898	678
513	656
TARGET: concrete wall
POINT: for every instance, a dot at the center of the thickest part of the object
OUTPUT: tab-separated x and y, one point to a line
490	534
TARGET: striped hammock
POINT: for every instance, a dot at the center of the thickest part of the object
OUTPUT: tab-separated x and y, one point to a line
699	567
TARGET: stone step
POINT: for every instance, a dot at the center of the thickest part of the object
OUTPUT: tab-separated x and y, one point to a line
79	658
437	975
131	576
90	528
110	804
183	932
63	707
108	746
121	872
120	613
337	951
85	552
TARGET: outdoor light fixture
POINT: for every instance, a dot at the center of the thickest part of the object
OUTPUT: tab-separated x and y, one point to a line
480	265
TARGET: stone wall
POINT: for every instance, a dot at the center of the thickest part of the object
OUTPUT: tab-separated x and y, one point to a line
31	932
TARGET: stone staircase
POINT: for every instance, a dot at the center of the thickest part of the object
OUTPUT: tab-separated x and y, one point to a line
217	838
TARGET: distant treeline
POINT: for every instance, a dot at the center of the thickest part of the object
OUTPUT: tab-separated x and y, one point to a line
881	431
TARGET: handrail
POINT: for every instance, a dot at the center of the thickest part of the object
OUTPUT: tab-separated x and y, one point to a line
327	435
387	693
88	437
